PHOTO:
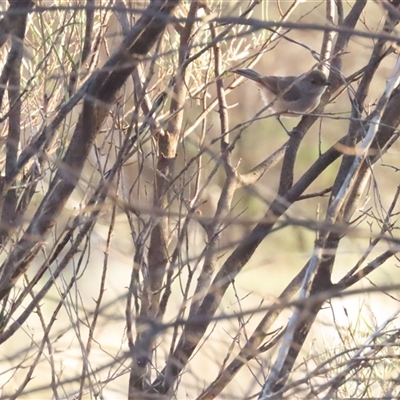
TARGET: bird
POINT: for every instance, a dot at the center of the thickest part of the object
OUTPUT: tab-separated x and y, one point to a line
288	96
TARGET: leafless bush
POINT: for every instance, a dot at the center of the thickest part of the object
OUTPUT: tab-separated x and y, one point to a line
150	214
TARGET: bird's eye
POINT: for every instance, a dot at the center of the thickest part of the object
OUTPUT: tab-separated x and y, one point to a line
313	82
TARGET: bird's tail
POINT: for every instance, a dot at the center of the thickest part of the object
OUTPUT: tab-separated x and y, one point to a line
248	73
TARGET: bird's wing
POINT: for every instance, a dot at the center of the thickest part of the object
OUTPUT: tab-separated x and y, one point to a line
271	83
277	85
294	93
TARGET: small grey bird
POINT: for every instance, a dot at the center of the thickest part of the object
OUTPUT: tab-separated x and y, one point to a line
289	94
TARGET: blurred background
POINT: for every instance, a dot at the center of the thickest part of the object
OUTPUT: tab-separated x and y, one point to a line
81	324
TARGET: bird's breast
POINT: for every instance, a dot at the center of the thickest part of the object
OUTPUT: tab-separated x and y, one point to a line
286	108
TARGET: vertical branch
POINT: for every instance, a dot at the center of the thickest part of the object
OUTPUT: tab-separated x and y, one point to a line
158	252
327	41
167	143
214	229
87	44
12	74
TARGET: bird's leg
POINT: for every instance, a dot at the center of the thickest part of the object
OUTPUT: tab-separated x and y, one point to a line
278	117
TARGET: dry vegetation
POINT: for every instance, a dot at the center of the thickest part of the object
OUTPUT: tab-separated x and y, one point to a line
162	237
